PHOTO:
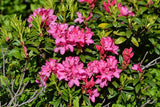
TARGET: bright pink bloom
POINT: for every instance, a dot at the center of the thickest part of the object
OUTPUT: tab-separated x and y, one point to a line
103	70
92	94
107	45
125	12
108	5
137	67
88	84
71	70
46	70
112	62
80	18
91	2
67	37
46	16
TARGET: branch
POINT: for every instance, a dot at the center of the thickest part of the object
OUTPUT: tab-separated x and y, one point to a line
144	57
153	62
20	86
35	95
148	102
3	55
107	105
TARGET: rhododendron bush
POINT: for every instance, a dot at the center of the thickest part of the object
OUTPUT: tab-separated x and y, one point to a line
85	53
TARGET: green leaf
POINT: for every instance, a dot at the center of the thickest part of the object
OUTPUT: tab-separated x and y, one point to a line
82	57
128	88
137	88
76	102
117	105
135	82
128	33
120	40
3	80
116	85
124	97
56	103
107	33
137	20
103	25
98	105
119	33
123	18
75	93
86	99
134	41
115	24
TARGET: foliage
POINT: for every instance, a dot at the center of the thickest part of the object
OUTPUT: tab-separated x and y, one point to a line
29	47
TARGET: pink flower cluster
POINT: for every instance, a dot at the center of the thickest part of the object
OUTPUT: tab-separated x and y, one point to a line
107	45
91	2
104	70
124	11
73	71
127	55
46	16
67	37
69	70
81	18
46	70
89	88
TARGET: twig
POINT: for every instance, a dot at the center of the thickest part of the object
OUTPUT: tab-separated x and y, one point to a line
146	87
153	62
4	104
103	101
22	90
35	95
107	105
13	85
148	102
144	57
20	86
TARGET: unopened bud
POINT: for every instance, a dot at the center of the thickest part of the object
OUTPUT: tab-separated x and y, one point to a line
7	39
41	34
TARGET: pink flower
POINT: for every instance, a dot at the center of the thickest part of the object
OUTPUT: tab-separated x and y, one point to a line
46	16
88	84
91	2
80	18
92	94
125	12
150	2
127	54
137	67
107	45
103	70
71	70
112	62
46	70
67	37
108	5
25	50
